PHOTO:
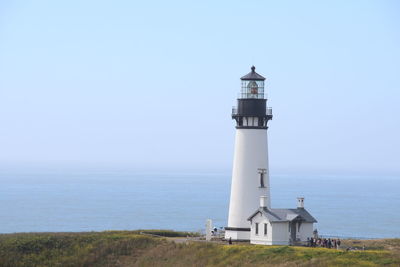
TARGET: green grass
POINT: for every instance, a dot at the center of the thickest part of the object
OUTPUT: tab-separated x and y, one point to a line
131	248
168	233
70	249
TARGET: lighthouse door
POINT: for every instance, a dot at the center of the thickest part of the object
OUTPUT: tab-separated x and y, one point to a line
293	231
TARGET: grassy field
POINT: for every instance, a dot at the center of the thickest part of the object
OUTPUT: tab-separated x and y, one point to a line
131	248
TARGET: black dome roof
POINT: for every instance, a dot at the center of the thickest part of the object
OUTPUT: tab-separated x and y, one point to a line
253	75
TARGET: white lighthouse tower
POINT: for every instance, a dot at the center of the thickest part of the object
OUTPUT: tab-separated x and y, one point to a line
250	176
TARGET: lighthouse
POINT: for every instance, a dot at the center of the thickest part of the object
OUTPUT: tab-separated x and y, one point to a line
250	175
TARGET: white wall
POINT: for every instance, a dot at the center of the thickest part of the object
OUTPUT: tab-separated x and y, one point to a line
237	235
277	233
260	238
280	233
251	153
306	230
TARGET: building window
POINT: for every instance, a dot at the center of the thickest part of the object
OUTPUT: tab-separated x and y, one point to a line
256	228
289	227
265	228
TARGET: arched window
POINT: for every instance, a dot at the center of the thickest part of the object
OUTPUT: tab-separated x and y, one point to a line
253	88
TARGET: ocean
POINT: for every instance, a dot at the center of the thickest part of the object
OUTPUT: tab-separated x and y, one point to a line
345	206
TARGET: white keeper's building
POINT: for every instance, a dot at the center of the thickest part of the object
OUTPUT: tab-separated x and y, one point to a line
250	214
280	226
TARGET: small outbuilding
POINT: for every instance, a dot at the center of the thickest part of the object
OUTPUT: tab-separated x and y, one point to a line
280	226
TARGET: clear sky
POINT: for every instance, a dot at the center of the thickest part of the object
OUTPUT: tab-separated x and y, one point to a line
150	84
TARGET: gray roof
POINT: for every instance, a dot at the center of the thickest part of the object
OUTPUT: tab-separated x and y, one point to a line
285	215
253	75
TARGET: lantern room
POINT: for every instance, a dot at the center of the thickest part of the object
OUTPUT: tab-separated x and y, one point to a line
252	85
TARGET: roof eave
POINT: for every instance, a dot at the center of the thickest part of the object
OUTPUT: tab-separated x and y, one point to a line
252	79
254	214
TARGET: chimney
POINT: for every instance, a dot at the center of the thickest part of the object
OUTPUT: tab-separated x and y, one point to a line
263	201
300	202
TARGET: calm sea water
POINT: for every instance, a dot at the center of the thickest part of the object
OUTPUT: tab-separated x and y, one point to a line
366	207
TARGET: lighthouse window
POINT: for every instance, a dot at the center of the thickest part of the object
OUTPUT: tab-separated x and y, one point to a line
256	228
262	179
253	88
262	172
265	228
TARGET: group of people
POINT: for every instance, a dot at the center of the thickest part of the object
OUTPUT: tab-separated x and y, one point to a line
323	242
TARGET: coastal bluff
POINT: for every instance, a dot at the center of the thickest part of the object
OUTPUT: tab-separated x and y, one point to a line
170	248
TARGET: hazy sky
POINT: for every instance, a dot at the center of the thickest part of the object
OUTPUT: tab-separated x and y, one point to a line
150	84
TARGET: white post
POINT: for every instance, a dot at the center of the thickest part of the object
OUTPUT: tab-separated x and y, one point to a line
208	229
